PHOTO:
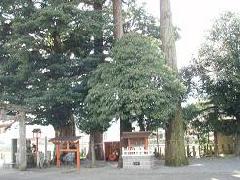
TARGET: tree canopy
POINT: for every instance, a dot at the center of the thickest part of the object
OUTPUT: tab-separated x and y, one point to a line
217	73
218	65
134	84
48	49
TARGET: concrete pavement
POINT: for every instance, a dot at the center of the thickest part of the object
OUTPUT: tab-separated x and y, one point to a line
199	169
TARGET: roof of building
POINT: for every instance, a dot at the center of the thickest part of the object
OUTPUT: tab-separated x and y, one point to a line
140	134
65	139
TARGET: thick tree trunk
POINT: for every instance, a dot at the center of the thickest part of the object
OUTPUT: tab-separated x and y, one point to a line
175	154
167	34
98	51
98	40
92	150
98	146
118	33
67	129
117	15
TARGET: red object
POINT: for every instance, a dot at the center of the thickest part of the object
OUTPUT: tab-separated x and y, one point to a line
112	157
72	146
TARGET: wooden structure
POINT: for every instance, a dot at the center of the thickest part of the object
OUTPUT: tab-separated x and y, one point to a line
67	145
136	153
135	139
112	150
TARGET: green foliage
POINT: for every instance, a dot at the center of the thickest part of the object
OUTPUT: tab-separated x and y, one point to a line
49	56
136	19
133	84
218	67
46	56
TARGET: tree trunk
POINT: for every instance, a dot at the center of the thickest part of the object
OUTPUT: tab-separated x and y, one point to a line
92	150
98	51
167	34
216	152
98	140
98	40
118	33
22	143
67	129
141	123
117	15
175	154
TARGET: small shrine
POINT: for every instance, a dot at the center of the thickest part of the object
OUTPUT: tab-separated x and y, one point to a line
67	147
135	150
133	140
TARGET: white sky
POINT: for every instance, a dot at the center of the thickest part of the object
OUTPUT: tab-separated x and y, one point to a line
194	18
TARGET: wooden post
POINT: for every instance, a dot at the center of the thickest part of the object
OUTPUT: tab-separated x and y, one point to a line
146	143
78	156
58	155
22	142
14	150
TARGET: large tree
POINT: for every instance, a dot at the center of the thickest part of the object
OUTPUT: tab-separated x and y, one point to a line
174	146
134	83
218	68
49	56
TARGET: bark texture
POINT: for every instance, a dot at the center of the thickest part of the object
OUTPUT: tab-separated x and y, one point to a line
117	15
92	150
67	129
98	147
175	154
118	33
167	34
22	143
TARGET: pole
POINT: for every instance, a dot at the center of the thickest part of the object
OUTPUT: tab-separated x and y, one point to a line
36	144
45	149
157	142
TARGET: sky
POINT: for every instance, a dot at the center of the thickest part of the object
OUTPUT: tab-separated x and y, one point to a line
194	18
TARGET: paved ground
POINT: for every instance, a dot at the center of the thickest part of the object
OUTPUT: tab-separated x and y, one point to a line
204	169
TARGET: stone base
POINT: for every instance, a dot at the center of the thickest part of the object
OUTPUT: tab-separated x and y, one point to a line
138	162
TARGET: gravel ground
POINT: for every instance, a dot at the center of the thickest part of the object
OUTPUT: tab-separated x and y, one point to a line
199	169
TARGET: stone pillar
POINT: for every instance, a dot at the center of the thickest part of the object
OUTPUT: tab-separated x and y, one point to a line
22	142
14	150
45	152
